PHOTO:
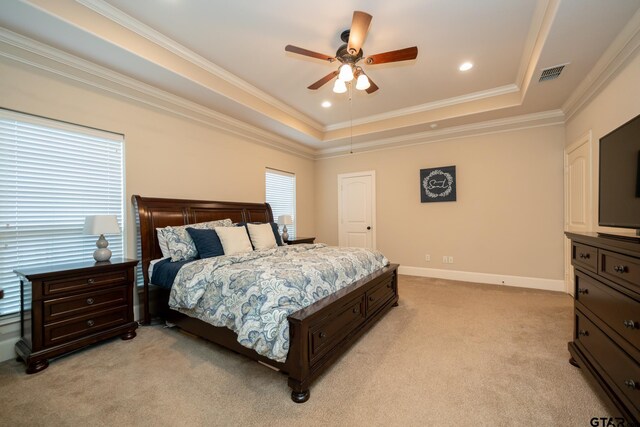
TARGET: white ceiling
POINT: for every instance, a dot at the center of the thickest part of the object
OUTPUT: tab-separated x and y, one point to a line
229	57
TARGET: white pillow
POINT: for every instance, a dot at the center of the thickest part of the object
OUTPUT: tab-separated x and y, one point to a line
262	236
162	242
235	240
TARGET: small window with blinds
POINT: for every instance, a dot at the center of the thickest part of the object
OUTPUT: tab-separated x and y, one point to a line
52	175
281	195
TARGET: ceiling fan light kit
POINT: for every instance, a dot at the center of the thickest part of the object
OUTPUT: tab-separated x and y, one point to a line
350	53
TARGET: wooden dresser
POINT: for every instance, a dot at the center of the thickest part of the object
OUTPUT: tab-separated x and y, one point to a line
300	240
606	336
66	307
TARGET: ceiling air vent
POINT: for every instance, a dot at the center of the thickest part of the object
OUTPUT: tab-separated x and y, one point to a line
551	73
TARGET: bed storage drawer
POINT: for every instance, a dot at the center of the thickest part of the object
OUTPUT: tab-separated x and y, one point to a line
331	329
616	366
379	295
585	256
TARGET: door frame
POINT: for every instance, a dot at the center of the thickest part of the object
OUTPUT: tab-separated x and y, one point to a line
374	225
585	138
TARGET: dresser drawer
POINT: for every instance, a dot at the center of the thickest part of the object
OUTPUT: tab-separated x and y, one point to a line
620	268
83	283
76	327
379	295
88	302
619	311
619	369
584	256
328	333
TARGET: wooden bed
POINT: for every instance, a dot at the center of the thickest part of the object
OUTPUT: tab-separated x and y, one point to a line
319	333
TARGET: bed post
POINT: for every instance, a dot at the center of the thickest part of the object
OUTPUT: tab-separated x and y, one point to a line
139	211
297	361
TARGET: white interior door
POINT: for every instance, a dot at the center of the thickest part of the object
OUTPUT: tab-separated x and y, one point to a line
578	197
356	210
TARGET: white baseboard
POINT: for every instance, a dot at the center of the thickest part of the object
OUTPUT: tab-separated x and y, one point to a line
10	335
493	279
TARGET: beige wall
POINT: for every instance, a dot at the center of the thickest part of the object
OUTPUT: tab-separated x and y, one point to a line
166	156
615	104
508	216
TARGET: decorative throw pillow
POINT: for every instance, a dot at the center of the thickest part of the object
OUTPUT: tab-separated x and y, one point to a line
276	233
162	242
235	240
181	246
261	236
207	242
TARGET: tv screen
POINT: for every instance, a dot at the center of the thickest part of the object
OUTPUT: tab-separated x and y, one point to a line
619	201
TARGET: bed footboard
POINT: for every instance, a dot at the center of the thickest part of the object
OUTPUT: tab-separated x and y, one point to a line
322	332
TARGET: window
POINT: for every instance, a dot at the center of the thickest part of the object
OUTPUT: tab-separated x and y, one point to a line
52	175
281	195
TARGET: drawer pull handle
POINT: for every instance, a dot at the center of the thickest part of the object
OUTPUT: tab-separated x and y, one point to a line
585	256
631	384
583	333
584	291
356	310
629	324
371	298
620	268
90	323
388	285
89	301
90	281
322	335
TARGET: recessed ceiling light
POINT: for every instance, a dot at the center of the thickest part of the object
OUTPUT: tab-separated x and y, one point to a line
326	104
465	66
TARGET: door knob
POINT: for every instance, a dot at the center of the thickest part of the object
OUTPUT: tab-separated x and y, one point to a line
368	227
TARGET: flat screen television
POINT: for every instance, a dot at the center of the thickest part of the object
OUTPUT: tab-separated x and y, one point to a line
619	200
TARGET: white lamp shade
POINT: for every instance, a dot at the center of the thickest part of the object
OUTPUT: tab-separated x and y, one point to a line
101	224
346	73
363	82
339	86
285	220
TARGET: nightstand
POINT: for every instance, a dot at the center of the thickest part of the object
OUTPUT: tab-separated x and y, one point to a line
69	306
300	240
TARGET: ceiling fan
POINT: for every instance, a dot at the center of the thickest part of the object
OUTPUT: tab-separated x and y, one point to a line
350	53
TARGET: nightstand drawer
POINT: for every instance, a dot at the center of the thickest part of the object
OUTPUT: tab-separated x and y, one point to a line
69	329
89	302
83	283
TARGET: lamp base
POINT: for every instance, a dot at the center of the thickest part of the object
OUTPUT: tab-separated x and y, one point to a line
285	233
102	253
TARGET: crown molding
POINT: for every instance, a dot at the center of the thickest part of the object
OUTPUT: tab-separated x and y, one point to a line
613	59
52	60
490	93
116	15
527	121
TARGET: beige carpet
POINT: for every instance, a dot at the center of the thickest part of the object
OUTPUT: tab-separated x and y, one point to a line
452	353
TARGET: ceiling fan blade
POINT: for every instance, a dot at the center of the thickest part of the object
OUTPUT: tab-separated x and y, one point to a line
358	32
393	56
305	52
373	87
323	80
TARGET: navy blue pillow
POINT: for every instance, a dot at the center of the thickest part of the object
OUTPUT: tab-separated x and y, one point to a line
207	242
274	227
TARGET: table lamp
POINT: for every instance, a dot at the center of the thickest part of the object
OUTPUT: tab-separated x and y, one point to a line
285	220
101	225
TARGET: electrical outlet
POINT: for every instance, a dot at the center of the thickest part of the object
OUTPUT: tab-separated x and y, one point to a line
427	257
445	260
450	260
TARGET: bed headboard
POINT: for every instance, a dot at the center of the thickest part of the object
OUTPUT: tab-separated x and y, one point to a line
152	213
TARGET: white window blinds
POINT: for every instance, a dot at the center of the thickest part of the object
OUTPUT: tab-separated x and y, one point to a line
52	175
281	195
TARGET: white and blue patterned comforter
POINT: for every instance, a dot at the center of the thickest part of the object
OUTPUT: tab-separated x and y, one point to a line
253	293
